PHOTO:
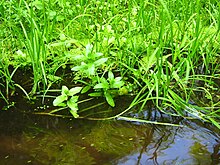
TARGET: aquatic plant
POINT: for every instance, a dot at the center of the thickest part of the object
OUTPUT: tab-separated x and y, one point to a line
167	52
108	87
89	61
68	98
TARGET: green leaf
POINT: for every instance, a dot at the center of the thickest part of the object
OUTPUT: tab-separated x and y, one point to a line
123	91
109	99
39	5
62	37
118	78
79	57
99	86
80	67
85	89
110	76
72	104
74	90
105	83
117	84
95	94
74	98
60	18
98	54
74	113
100	61
65	90
52	14
91	69
62	105
59	100
88	49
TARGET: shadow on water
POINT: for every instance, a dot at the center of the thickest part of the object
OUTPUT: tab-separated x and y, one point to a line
43	140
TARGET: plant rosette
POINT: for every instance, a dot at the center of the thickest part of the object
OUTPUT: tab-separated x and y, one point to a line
68	98
108	87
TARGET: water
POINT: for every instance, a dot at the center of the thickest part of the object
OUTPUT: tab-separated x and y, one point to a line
42	140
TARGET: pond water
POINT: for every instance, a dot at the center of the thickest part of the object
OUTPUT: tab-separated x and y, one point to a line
42	140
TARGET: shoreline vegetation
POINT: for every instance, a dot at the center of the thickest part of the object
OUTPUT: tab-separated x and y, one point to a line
162	51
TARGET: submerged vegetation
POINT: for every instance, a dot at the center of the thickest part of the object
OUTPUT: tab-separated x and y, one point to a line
165	52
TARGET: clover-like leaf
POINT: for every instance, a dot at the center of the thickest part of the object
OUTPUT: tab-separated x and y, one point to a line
74	90
59	100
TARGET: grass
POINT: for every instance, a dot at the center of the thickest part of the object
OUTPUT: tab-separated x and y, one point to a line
166	51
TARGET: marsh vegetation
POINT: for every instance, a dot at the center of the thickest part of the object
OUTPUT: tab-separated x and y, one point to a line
164	52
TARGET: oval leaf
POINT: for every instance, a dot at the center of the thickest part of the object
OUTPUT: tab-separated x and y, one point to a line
85	89
117	84
109	99
65	90
72	105
110	75
100	61
59	100
91	69
74	91
95	94
99	86
77	68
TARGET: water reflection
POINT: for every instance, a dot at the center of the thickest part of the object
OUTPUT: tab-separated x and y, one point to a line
43	140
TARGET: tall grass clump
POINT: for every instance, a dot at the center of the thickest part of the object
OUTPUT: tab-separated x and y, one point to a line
178	54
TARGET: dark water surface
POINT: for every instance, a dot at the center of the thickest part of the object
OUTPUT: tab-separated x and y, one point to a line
43	140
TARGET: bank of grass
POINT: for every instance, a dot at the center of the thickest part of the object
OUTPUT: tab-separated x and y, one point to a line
166	51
